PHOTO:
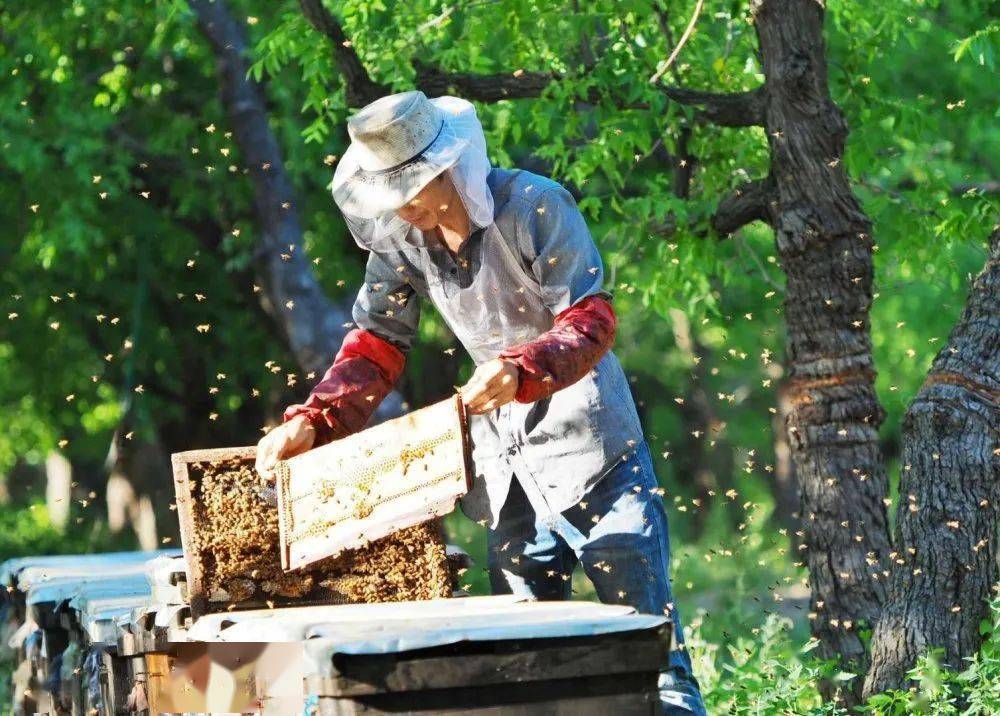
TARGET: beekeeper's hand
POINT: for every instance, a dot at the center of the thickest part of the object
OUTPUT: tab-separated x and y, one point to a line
492	385
286	440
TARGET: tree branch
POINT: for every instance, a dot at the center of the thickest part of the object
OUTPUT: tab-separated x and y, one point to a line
727	109
990	188
677	49
750	202
740	109
683	165
361	89
482	88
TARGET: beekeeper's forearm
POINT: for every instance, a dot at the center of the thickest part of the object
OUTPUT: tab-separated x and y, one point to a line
580	337
364	372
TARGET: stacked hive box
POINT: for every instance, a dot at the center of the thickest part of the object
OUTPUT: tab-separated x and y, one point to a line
59	611
92	675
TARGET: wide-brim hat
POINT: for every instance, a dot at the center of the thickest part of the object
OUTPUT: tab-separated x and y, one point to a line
399	143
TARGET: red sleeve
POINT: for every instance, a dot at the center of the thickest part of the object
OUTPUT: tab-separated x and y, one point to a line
362	374
581	335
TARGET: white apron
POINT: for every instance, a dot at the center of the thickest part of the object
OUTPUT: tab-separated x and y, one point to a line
501	308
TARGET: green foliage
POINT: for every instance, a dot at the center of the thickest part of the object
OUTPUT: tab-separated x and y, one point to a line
979	46
769	668
766	674
30	532
974	690
129	231
99	93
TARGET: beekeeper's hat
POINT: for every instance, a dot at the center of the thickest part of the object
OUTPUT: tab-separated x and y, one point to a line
402	141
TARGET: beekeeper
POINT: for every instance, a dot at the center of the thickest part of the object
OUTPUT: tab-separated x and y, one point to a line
562	471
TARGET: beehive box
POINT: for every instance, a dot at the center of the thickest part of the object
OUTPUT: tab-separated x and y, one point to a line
230	535
486	656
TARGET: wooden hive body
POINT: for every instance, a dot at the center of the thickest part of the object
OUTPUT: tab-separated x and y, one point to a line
229	533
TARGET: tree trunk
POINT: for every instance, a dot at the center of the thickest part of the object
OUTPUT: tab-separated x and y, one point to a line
314	325
784	483
945	564
58	489
139	490
823	239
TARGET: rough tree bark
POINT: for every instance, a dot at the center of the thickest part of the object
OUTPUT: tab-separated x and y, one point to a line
945	563
314	325
824	241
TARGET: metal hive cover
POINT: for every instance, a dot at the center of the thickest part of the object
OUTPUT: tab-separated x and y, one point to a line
353	491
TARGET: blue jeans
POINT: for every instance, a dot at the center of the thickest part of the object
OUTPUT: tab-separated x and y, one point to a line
619	533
